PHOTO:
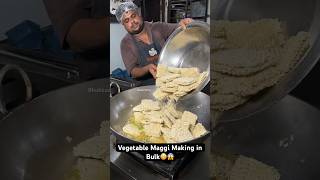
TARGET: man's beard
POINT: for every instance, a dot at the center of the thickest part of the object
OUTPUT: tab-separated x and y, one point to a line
139	30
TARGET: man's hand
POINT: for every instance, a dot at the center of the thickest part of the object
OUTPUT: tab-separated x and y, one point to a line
137	72
184	22
152	69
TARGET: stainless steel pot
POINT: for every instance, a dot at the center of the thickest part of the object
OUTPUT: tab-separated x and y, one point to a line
299	15
189	47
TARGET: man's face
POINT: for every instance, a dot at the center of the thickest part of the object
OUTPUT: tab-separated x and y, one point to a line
132	22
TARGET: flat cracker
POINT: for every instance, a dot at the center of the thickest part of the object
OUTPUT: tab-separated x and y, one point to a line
159	83
95	147
250	85
169	116
189	72
261	34
179	93
171	84
166	132
198	130
250	169
150	105
166	121
90	169
160	95
180	132
138	108
189	117
218	44
171	108
169	77
152	129
155	117
168	89
218	28
161	70
173	97
185	81
223	102
131	129
241	62
174	70
139	117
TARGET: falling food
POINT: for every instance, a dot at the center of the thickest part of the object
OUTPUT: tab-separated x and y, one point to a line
174	83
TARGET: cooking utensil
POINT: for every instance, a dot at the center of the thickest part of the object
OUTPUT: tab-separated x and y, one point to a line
33	137
189	47
286	136
123	103
299	15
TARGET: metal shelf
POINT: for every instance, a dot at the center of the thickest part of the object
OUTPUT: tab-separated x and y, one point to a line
183	9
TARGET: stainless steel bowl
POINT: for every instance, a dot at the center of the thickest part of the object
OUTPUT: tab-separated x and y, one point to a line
298	15
189	47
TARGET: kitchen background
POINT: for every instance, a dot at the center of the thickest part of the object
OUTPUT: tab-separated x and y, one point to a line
29	43
49	72
157	10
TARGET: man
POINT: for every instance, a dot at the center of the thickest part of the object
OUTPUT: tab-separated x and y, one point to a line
83	26
141	47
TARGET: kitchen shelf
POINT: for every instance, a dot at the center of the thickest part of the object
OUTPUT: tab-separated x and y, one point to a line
179	9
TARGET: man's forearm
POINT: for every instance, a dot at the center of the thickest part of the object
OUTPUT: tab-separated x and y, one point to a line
88	34
137	72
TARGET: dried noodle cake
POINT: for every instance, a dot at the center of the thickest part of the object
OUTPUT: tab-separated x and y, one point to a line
165	124
173	83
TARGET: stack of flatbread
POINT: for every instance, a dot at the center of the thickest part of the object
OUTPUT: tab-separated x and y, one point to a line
173	83
249	57
92	157
162	123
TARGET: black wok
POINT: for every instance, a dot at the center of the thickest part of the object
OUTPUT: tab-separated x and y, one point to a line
33	137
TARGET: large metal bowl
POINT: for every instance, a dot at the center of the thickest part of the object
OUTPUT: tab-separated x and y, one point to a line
299	15
189	47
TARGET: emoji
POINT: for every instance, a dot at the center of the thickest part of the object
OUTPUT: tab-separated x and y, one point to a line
163	156
170	157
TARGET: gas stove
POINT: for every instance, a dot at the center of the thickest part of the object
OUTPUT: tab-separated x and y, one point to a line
133	166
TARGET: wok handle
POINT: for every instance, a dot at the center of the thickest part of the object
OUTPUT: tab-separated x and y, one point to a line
27	82
118	88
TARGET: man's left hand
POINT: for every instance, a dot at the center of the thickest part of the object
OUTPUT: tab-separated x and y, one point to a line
153	70
184	22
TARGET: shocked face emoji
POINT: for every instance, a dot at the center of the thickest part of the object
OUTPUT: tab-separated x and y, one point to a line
170	157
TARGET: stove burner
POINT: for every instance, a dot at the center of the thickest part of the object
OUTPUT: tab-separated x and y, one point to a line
133	165
168	169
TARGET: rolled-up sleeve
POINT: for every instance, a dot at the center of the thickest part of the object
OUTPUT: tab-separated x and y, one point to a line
64	13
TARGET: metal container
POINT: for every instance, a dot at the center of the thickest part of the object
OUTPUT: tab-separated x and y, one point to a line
123	103
298	15
189	47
